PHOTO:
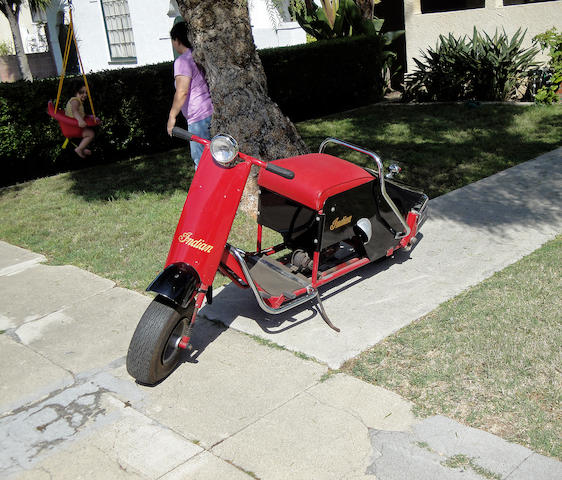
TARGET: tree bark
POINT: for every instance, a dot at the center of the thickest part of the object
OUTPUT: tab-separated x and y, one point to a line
223	45
12	16
367	8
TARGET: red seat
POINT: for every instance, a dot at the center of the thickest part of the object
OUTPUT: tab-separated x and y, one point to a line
317	177
68	125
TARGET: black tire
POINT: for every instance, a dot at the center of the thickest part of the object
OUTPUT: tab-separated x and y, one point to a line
153	354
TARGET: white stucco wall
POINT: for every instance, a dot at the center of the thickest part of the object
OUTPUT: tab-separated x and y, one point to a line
151	22
423	30
269	29
151	26
28	30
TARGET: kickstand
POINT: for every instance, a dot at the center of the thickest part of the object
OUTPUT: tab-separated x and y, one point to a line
323	313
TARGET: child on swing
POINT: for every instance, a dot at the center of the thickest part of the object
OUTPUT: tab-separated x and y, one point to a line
75	109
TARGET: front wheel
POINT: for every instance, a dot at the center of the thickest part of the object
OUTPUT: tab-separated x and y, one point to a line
153	352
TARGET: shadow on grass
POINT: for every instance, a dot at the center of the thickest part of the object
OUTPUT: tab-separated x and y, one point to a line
443	147
161	173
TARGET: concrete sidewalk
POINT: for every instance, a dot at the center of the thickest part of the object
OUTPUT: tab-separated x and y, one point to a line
238	409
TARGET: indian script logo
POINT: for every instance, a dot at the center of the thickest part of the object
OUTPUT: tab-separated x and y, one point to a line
199	244
337	223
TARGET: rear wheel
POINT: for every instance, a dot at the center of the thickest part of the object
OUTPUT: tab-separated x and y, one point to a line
153	352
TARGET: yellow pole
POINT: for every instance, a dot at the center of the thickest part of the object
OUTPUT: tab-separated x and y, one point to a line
69	35
83	72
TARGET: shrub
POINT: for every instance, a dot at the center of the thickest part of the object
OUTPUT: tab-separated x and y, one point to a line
552	40
130	102
326	76
6	48
482	68
133	103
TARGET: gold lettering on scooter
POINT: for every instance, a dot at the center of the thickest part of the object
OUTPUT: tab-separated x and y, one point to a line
337	223
199	244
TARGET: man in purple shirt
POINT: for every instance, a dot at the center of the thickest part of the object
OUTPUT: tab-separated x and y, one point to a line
192	95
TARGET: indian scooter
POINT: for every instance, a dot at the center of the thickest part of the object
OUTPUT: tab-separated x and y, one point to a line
332	216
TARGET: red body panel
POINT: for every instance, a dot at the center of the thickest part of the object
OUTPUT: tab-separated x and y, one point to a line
317	177
207	216
69	126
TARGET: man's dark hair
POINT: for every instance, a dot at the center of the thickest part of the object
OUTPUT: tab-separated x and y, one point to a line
179	32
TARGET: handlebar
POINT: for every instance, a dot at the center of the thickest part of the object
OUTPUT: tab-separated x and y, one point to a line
270	167
181	133
282	172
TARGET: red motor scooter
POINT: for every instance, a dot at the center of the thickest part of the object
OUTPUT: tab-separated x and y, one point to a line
333	217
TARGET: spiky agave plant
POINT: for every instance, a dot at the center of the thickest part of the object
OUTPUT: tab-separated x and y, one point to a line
482	68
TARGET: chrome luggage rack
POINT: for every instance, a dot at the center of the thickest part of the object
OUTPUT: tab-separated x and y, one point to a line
385	195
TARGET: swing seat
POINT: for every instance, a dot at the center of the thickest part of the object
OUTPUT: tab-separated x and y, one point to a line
68	125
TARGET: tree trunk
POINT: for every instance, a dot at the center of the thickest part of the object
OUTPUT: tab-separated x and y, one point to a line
223	45
16	35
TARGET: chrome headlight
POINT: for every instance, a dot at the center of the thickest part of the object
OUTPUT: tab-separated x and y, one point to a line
224	150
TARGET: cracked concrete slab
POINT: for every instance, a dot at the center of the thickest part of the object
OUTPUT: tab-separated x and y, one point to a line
471	233
143	445
374	406
396	457
129	446
94	417
15	259
332	419
70	337
307	437
233	383
205	466
34	430
41	290
439	448
26	375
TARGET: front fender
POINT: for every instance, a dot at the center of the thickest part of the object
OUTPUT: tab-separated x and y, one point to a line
177	282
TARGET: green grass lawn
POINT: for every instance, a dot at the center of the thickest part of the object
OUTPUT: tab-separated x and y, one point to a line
118	220
443	147
490	357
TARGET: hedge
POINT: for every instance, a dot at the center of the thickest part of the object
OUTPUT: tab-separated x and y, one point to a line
324	77
133	103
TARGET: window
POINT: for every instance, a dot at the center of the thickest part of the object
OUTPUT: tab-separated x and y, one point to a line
433	6
521	2
119	30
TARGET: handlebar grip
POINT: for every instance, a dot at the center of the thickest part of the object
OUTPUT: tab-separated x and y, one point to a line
181	133
282	172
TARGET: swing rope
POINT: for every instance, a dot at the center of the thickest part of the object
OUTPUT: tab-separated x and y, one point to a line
71	37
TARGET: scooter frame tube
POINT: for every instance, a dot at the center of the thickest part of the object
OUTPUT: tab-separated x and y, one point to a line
311	292
378	161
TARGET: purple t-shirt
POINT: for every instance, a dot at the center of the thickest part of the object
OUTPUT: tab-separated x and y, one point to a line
198	104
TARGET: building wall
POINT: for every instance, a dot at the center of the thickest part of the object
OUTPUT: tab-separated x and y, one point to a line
423	30
28	30
40	64
151	22
151	26
270	29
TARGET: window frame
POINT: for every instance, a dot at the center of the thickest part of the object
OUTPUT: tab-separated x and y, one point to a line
111	46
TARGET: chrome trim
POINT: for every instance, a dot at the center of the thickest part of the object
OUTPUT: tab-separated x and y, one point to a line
266	308
378	161
393	170
425	204
423	212
235	149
